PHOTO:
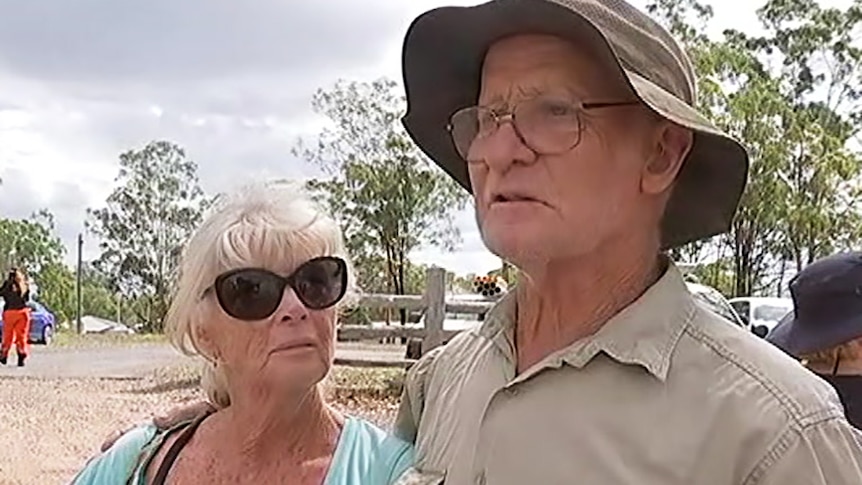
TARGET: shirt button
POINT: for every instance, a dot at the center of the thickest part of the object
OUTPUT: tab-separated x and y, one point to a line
512	391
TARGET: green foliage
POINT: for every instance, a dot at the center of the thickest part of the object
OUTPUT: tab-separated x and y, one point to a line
792	97
97	297
57	291
154	208
718	274
506	271
32	245
819	75
387	196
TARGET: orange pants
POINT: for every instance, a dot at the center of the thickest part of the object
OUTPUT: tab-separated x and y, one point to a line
16	327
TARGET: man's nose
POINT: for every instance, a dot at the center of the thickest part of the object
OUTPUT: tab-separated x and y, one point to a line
502	148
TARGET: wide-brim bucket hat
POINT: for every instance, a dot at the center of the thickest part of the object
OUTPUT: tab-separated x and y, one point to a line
827	306
444	50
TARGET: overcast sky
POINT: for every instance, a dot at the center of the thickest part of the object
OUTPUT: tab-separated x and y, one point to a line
231	81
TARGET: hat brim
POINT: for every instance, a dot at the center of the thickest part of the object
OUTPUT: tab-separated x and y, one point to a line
442	60
798	336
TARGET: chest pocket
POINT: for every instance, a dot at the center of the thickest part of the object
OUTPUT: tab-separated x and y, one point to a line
415	477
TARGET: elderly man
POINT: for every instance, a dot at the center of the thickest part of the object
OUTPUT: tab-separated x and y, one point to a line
572	122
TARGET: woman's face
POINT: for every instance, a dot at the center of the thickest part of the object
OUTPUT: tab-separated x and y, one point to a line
290	350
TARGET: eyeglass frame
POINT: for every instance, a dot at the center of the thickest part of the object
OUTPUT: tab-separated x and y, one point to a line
509	116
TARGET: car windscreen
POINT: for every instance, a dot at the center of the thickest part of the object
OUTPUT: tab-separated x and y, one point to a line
770	313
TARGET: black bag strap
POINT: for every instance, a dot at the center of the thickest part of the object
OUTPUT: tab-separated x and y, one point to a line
175	449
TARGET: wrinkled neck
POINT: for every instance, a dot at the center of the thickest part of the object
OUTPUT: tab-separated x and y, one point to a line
299	425
572	299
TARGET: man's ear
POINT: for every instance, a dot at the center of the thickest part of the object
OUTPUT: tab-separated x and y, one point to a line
672	145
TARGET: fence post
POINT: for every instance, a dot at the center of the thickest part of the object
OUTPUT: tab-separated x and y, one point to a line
79	326
435	299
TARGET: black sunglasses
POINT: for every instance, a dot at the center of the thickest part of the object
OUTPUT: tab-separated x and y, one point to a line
255	293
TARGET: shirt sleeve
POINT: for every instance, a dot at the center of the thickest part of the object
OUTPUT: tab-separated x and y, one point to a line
116	465
824	453
413	396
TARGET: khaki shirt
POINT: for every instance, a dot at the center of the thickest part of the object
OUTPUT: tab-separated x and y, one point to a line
666	393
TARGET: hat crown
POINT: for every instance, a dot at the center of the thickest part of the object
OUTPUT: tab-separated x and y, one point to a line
831	281
641	44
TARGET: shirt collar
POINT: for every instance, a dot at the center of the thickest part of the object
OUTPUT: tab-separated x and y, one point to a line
644	333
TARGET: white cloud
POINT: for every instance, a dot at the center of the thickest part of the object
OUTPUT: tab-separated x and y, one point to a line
82	81
231	83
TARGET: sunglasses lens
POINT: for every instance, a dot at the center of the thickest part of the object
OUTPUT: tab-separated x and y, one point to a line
249	294
321	282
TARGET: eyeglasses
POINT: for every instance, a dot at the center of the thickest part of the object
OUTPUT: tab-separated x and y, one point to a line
255	293
547	125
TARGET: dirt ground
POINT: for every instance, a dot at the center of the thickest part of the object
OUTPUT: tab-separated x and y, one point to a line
50	427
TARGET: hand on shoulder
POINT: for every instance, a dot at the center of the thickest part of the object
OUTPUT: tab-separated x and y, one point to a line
177	415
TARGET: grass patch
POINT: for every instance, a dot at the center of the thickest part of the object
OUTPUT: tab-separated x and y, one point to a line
358	382
73	340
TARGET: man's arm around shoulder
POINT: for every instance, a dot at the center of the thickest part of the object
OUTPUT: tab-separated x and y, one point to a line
826	452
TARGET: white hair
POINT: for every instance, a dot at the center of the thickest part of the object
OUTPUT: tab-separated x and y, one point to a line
260	225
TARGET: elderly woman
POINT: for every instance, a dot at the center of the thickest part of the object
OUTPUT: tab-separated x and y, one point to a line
824	330
258	298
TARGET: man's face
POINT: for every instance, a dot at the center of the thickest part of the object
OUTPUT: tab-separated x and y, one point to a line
533	207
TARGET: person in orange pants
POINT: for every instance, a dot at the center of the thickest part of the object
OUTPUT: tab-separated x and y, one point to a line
16	316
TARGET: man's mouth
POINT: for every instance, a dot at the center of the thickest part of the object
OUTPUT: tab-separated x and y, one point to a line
512	197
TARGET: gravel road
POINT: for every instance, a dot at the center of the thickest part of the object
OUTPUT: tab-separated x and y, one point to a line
50	427
55	411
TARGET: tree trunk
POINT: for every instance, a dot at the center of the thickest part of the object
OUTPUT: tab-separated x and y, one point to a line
402	312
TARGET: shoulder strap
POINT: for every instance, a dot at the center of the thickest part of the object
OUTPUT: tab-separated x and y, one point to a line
174	451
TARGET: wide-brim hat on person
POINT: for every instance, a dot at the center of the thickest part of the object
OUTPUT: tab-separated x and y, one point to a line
827	306
442	60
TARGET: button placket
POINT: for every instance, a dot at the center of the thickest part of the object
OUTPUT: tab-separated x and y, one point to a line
498	398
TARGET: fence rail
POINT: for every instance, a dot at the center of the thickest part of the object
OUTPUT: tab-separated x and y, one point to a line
432	302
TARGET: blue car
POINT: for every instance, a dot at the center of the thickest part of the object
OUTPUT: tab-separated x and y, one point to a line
42	323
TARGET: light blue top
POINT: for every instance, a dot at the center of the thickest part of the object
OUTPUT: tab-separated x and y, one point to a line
365	455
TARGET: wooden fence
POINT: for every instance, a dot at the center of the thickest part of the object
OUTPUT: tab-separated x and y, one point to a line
432	302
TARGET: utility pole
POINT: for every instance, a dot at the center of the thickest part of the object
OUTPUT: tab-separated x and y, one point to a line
78	286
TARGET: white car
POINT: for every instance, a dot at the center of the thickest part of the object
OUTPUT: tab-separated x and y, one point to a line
762	313
713	300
